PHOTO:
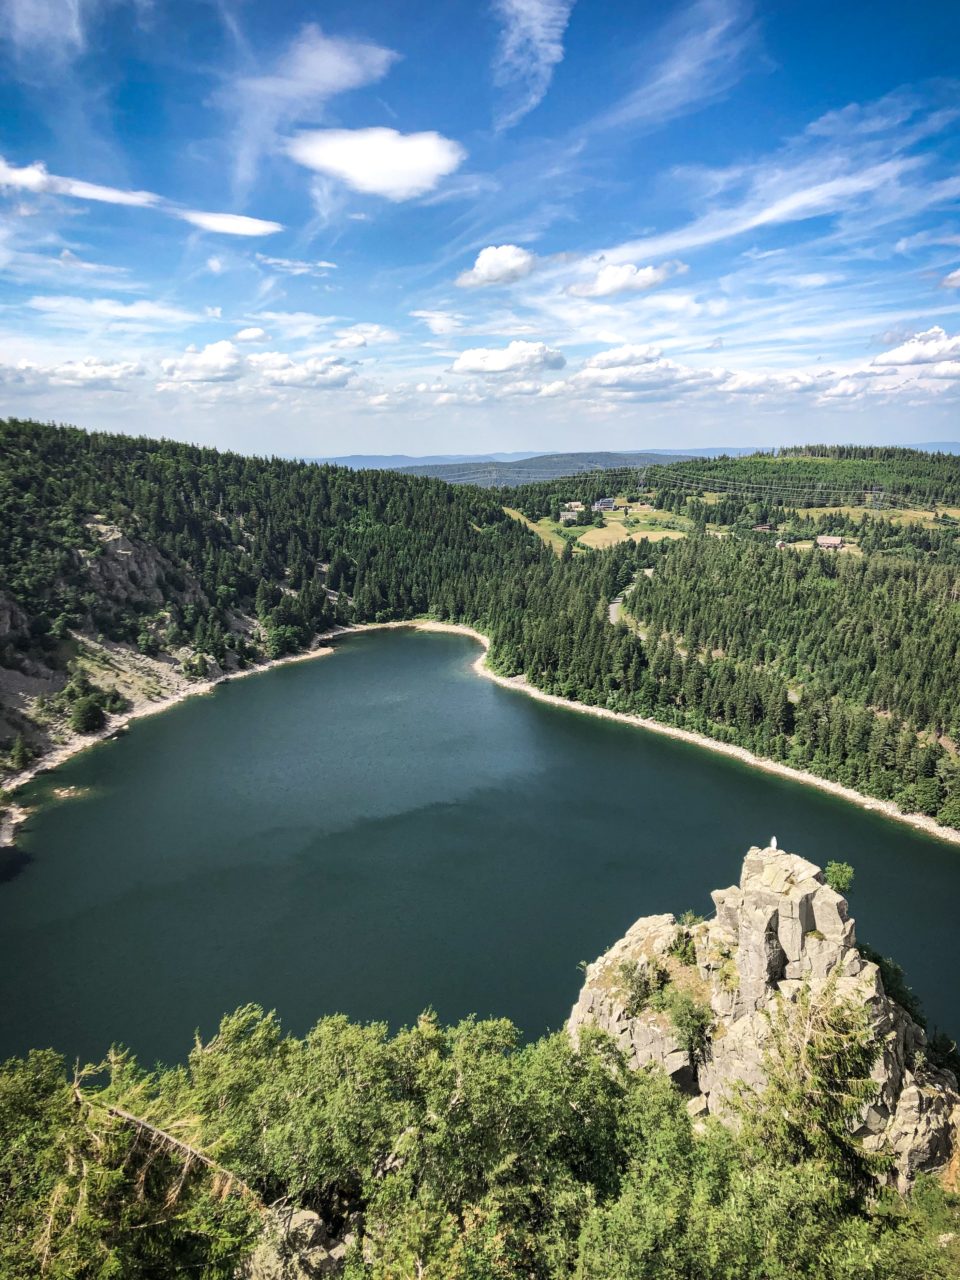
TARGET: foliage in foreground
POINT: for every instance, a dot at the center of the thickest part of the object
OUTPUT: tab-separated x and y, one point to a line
456	1154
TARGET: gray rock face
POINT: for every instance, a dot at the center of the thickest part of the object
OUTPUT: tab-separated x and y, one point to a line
296	1246
782	929
13	621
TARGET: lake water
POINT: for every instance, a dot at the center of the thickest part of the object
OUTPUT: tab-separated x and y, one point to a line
382	831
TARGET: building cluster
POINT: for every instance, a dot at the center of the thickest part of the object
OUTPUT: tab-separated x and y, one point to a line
570	511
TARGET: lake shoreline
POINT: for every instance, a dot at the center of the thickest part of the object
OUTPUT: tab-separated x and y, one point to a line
886	808
17	814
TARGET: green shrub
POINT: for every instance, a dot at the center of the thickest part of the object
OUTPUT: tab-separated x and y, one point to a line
691	1020
640	983
87	715
839	876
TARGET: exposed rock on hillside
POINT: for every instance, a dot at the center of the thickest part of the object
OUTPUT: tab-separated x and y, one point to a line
296	1246
715	983
128	571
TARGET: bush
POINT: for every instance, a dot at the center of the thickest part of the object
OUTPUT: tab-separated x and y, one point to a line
640	983
87	715
20	754
839	876
691	1020
683	947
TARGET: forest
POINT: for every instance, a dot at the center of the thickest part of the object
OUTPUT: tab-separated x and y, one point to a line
456	1153
463	1153
844	665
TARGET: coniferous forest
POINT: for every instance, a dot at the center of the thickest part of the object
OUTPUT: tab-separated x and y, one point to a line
462	1153
845	666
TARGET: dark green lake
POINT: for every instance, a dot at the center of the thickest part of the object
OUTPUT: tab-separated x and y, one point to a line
382	831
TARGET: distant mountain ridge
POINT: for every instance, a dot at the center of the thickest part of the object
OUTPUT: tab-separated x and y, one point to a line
494	469
398	461
550	466
524	466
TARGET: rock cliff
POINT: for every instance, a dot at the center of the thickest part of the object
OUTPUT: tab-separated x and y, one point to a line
716	982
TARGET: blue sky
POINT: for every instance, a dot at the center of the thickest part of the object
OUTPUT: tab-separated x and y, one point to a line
450	226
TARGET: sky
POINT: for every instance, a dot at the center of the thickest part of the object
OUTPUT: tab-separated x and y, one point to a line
460	226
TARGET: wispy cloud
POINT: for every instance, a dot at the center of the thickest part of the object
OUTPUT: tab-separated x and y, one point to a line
531	46
297	85
698	56
142	316
778	195
296	266
53	28
35	179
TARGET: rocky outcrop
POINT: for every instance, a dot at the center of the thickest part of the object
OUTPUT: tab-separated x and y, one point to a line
781	930
127	571
13	621
296	1246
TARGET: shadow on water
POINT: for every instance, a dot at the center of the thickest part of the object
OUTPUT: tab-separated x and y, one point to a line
12	863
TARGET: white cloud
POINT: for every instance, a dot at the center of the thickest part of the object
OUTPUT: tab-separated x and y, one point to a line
93	373
81	313
517	357
216	362
498	264
252	334
378	161
929	347
318	372
364	335
654	377
531	45
439	322
952	281
35	179
314	68
228	224
624	277
621	357
296	266
214	266
88	374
